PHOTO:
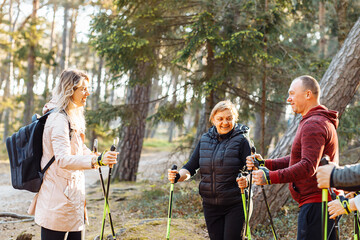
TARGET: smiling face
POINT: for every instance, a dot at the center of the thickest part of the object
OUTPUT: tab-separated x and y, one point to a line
81	92
298	97
224	121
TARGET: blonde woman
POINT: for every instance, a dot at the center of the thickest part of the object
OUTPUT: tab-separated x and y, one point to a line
59	206
219	155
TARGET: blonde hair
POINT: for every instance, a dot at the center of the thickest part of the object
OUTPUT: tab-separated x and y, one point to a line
70	80
222	106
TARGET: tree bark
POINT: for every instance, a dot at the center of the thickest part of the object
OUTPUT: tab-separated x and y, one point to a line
341	7
73	20
133	133
31	68
63	58
47	71
338	85
322	41
10	75
263	88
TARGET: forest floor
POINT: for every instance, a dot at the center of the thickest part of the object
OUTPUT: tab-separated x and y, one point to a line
139	210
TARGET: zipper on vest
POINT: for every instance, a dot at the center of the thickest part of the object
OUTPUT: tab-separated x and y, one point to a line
213	170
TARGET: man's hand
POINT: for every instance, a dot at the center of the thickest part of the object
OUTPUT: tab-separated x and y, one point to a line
323	175
250	160
261	176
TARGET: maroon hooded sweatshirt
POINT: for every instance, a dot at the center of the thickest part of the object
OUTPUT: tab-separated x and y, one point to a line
315	137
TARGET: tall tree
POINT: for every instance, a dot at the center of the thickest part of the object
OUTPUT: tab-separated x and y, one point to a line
33	41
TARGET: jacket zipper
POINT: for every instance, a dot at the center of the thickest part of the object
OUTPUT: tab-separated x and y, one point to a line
213	171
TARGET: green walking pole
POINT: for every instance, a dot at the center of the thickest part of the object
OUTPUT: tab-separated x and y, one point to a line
248	207
356	226
324	210
243	198
174	167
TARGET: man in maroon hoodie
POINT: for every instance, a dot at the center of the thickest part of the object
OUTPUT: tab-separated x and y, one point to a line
315	137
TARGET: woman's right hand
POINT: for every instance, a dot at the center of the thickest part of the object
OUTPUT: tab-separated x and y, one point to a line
172	175
110	158
242	182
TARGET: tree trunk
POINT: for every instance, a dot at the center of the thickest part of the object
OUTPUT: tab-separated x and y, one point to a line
96	96
10	76
341	7
31	68
47	71
172	124
338	85
210	100
63	58
133	133
73	19
263	88
322	41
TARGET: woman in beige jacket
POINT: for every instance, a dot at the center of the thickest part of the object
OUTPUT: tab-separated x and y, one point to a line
59	206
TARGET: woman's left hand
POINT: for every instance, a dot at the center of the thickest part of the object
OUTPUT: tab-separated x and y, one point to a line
110	158
242	182
335	209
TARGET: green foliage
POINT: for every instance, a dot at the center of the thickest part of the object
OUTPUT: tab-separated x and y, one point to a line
169	113
349	128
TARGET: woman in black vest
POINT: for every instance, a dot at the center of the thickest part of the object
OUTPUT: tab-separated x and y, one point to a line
220	154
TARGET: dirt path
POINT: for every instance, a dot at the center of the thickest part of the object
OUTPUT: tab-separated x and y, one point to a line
152	167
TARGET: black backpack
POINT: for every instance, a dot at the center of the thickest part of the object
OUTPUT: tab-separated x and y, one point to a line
25	151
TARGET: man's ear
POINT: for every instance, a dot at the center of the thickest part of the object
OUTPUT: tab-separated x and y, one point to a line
308	94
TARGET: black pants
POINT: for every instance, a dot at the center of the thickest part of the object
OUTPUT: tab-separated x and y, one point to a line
224	222
47	234
309	223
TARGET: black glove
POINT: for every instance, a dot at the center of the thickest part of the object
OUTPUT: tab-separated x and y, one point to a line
259	163
176	177
344	203
266	174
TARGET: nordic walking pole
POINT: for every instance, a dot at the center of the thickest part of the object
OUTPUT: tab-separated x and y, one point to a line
95	149
256	163
243	198
106	194
324	161
248	207
356	226
174	167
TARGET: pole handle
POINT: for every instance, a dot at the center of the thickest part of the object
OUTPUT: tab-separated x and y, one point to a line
173	167
95	146
113	148
324	160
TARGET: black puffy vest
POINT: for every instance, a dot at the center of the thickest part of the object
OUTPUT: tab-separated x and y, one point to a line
220	162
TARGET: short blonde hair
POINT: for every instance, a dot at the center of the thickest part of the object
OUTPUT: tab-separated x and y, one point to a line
222	106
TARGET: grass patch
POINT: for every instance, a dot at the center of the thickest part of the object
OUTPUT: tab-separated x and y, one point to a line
154	144
186	202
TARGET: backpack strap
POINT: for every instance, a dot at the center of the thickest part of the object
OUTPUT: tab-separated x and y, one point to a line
48	165
53	158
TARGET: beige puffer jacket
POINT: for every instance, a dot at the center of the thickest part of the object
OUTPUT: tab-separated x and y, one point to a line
60	203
